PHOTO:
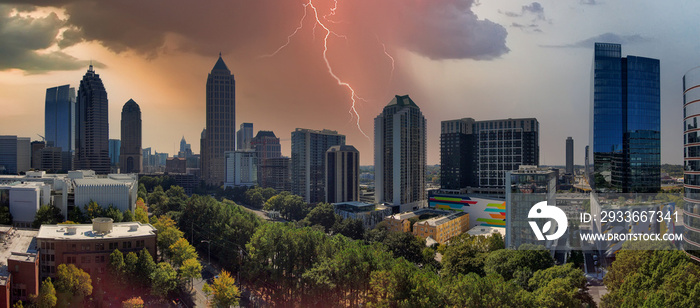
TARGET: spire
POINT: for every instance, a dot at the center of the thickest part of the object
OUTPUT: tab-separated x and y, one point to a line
220	65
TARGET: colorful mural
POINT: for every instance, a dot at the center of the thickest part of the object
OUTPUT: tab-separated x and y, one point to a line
482	212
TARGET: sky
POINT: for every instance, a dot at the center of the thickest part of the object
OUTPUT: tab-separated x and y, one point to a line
455	58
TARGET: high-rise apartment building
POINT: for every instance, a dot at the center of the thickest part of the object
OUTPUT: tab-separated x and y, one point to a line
243	136
241	168
15	154
308	152
275	173
691	157
569	155
400	152
479	153
524	188
625	128
221	123
266	145
91	125
185	149
342	174
131	157
458	154
59	122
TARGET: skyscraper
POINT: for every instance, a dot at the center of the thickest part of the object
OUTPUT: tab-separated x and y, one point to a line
342	174
266	145
400	152
59	122
15	154
221	122
625	116
569	155
479	153
131	159
115	146
308	152
243	136
691	157
91	125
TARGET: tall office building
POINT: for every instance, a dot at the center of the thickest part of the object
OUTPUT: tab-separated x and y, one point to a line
185	149
569	155
477	154
114	149
91	125
15	154
342	174
400	152
241	168
276	173
221	122
691	157
266	145
244	135
308	152
37	146
625	116
458	154
59	122
131	159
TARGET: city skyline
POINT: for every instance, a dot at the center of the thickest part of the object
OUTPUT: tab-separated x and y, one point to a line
164	67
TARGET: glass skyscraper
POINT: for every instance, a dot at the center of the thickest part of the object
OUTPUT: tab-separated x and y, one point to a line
691	157
59	122
626	122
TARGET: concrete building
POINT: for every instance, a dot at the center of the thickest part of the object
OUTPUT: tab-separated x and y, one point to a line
221	123
117	190
244	136
15	154
92	125
342	174
88	246
525	188
19	269
308	153
400	153
370	214
59	122
24	199
276	173
131	156
241	168
569	155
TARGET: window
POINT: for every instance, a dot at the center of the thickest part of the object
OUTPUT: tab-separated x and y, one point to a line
85	259
70	260
85	247
140	243
126	245
72	247
99	247
113	246
99	259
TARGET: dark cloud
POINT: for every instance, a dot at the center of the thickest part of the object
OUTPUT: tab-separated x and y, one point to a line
605	37
25	40
534	8
528	27
589	2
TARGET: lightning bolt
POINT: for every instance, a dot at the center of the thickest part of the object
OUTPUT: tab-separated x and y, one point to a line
391	77
318	22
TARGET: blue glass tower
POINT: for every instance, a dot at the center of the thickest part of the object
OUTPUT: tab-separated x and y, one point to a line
626	122
59	121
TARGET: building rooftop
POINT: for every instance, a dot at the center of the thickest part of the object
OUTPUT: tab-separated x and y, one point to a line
435	221
486	231
85	231
97	182
402	100
21	243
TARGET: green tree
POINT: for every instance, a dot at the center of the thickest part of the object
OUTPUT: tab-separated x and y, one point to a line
76	215
144	266
168	234
404	244
47	295
114	213
117	266
130	262
142	193
323	214
19	304
191	269
5	216
506	262
180	251
72	280
223	291
157	200
268	193
141	215
128	216
164	279
466	253
47	214
93	210
352	228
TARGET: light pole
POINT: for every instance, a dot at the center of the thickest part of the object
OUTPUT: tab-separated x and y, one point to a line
208	249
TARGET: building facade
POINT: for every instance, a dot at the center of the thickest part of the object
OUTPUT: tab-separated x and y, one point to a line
243	136
308	153
221	122
625	116
276	173
691	157
400	152
15	154
59	122
525	188
114	149
241	168
458	154
342	174
569	155
131	157
92	125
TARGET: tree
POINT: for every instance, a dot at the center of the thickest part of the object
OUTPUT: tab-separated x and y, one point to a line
506	262
144	266
176	199
134	302
130	262
128	216
72	280
114	213
223	291
168	233
157	200
466	253
141	215
142	193
352	228
93	210
47	214
47	295
323	214
5	216
77	215
164	279
404	244
191	269
180	251
19	304
117	266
